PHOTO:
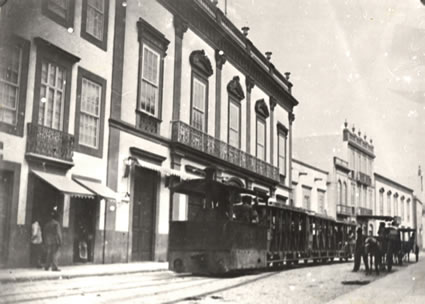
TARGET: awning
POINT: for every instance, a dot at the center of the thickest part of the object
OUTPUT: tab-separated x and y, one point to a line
98	189
64	184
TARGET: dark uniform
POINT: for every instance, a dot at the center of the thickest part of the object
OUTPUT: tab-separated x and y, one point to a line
359	251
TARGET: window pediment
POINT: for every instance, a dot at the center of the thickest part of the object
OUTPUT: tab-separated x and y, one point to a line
234	88
200	61
261	108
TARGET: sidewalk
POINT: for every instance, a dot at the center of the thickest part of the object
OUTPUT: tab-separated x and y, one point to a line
75	271
405	285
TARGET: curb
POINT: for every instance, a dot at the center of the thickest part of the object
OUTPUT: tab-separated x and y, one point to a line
73	276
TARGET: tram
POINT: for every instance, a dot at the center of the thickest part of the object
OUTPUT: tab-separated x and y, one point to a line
239	229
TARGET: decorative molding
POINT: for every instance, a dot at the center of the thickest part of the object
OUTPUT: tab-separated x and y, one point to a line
151	34
40	42
272	103
234	88
291	117
220	59
180	26
281	128
261	108
149	156
249	82
200	62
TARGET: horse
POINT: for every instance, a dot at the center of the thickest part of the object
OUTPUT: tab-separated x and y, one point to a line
372	249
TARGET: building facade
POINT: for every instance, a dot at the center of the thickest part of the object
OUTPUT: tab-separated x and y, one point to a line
107	104
309	187
349	161
55	87
191	91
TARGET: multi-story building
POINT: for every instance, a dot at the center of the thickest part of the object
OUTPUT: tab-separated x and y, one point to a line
394	199
309	187
190	90
55	75
106	104
349	161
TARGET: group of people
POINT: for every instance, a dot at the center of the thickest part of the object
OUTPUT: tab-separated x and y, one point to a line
46	243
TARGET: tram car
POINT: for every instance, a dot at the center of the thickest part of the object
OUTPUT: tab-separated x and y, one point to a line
237	229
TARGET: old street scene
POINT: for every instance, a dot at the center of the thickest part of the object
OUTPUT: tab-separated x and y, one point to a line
204	151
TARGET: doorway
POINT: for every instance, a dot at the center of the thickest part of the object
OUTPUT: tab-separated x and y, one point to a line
84	229
6	187
145	196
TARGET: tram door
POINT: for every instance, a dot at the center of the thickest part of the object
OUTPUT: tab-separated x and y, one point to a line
6	187
145	195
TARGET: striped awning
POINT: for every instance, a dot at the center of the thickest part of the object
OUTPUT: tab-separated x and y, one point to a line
165	171
64	184
98	189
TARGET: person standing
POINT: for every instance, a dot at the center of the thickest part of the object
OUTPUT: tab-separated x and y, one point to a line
53	241
36	244
360	251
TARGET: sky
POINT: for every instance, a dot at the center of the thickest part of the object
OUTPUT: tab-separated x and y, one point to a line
357	60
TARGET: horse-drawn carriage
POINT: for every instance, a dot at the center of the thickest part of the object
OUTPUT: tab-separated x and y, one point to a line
390	244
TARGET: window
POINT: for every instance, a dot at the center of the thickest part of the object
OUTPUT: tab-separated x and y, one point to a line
90	113
408	210
344	193
52	86
381	202
94	22
199	100
389	203
306	198
321	199
60	11
281	149
149	86
13	81
339	192
402	207
261	139
234	123
395	205
152	51
353	194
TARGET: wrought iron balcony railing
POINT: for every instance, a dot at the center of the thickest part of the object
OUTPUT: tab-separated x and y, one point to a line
189	136
49	142
344	210
364	211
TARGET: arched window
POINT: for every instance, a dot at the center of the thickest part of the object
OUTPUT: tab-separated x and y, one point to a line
344	193
381	201
389	203
339	192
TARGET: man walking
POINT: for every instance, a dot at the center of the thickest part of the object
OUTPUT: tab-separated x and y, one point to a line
36	244
53	241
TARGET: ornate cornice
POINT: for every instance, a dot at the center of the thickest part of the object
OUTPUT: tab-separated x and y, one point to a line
220	59
180	26
234	88
199	61
261	108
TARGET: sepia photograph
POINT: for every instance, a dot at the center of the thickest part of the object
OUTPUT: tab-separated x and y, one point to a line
212	151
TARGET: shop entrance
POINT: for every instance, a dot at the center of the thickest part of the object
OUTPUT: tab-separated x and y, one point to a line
6	186
84	229
145	195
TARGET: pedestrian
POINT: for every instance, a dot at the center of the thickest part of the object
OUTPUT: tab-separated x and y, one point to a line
36	244
53	241
360	251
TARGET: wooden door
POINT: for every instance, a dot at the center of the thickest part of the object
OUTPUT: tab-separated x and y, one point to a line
145	195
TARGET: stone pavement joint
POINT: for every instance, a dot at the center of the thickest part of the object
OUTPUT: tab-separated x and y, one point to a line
77	271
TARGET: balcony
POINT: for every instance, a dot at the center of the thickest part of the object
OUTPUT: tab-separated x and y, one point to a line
363	179
364	211
344	210
184	134
341	163
147	123
49	142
